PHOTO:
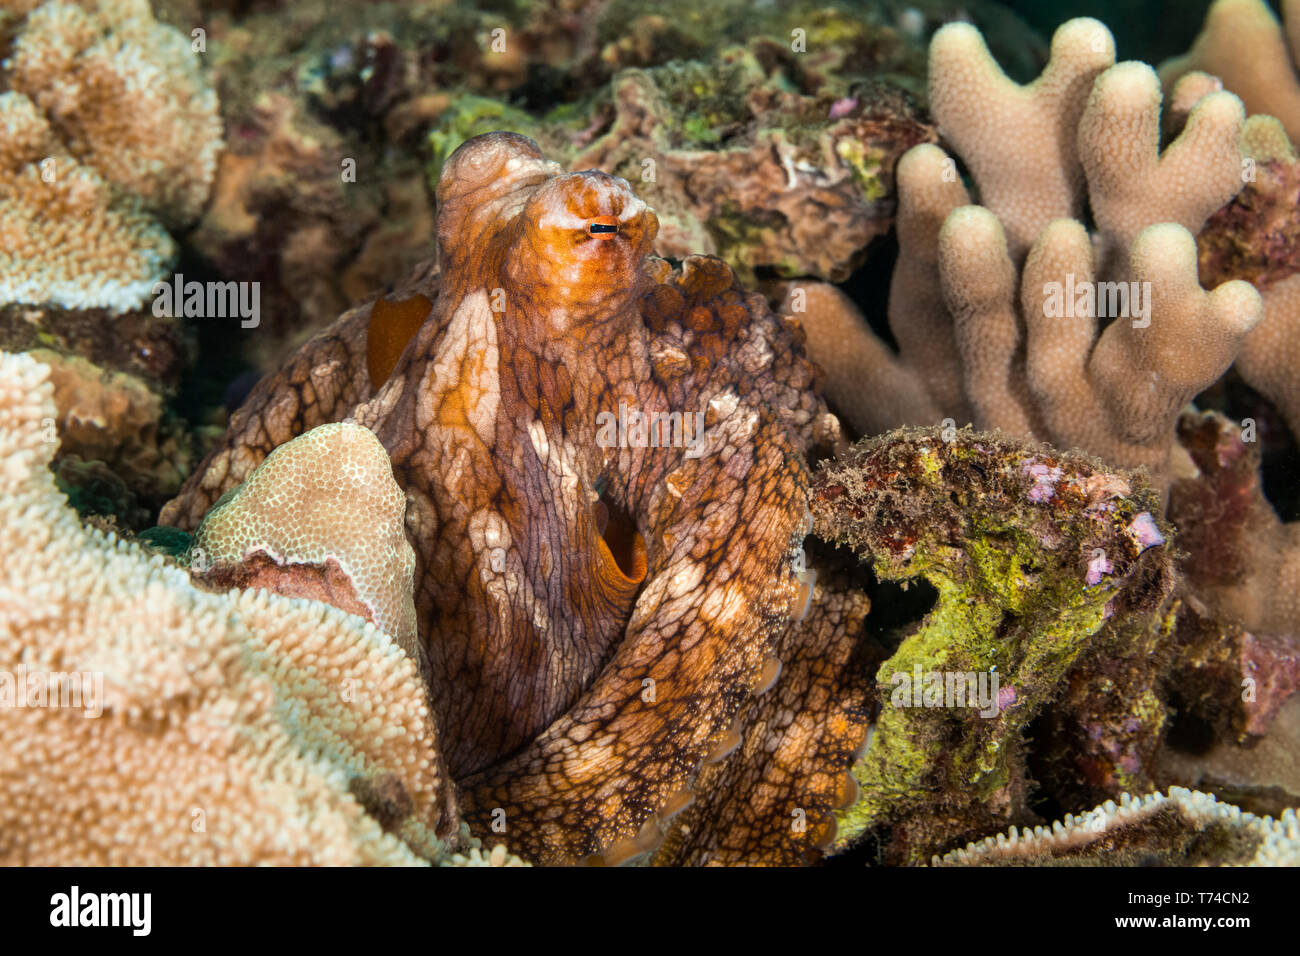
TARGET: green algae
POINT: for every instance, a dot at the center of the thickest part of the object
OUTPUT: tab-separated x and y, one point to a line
1009	561
469	116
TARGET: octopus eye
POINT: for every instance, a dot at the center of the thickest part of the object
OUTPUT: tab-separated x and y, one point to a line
604	227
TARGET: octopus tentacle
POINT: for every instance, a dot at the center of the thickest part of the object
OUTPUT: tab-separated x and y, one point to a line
320	383
772	803
595	610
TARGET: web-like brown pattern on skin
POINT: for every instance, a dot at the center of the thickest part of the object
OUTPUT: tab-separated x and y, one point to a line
542	629
321	382
772	803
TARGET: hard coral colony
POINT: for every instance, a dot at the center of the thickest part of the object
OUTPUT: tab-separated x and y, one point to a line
602	527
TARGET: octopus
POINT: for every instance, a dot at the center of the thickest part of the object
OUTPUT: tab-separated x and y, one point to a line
604	458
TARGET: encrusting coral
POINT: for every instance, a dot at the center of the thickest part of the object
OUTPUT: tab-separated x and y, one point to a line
580	673
1040	560
715	153
116	419
110	135
321	517
148	722
735	161
997	309
1180	829
1256	237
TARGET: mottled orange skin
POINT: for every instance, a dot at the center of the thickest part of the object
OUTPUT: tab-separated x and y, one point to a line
595	617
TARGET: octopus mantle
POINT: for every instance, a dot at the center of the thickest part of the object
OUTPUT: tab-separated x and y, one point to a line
601	590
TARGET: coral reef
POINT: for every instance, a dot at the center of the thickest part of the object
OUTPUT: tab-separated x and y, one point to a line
998	311
321	195
733	162
236	728
111	134
524	517
110	138
1184	827
1040	560
116	419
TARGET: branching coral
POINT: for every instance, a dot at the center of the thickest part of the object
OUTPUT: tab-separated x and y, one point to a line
1243	45
1011	336
235	728
1000	318
107	124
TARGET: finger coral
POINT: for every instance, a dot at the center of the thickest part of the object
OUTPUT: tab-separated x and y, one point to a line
999	310
111	134
147	722
1243	45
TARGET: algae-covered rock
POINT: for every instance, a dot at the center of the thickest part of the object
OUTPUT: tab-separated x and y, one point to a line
1041	560
736	159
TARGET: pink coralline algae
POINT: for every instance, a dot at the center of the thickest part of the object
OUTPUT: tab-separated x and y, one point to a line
1044	478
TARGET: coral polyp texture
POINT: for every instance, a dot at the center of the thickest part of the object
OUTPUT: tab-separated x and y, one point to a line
999	310
525	526
1246	48
322	515
111	136
1185	827
232	728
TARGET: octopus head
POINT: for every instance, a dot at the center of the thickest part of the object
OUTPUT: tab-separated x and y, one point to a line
582	240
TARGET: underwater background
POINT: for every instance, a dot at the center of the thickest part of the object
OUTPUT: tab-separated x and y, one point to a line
849	432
